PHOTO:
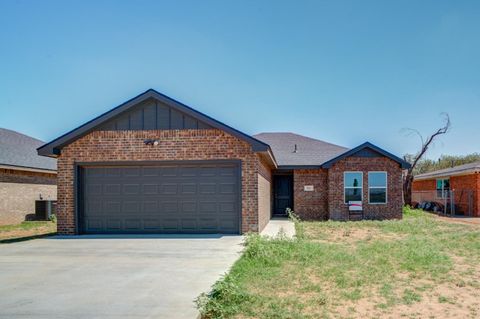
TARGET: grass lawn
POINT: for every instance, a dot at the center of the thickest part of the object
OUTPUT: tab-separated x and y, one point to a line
26	230
418	267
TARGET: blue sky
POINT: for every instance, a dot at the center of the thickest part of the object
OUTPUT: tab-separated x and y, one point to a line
341	71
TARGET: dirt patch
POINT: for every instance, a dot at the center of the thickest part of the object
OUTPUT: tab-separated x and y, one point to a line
18	233
351	235
444	301
461	220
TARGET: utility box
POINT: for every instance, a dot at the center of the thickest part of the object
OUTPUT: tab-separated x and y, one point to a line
44	209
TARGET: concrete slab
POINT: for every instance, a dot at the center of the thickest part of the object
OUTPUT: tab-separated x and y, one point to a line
111	276
278	226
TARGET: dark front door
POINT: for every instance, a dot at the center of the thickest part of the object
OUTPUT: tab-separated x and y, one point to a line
283	194
179	198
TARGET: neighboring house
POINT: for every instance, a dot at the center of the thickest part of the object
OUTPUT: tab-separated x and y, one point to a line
155	165
24	176
462	181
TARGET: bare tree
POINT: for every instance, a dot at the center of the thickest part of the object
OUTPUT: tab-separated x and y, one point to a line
413	160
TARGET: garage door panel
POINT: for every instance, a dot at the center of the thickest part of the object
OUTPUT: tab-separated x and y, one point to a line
207	188
169	171
95	224
170	224
150	207
113	224
113	172
161	199
112	189
131	189
207	224
227	188
150	171
131	171
169	189
188	188
149	189
151	224
112	207
169	207
133	224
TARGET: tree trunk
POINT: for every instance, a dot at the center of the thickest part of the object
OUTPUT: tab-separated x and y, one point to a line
407	189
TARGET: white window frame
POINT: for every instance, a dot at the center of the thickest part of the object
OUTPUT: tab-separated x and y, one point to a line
344	187
386	187
443	179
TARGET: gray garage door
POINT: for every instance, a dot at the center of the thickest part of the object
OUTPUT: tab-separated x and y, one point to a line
160	199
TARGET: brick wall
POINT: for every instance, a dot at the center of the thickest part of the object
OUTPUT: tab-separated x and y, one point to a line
466	187
424	185
466	193
19	176
173	145
310	205
264	193
338	210
17	200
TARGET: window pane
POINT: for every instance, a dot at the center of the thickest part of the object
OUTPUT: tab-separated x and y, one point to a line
439	183
353	180
378	195
446	184
353	194
377	179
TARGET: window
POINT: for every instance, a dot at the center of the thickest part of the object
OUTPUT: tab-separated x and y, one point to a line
377	187
443	188
353	186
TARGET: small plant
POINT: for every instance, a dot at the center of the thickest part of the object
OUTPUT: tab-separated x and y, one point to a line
291	214
410	297
53	218
225	292
298	223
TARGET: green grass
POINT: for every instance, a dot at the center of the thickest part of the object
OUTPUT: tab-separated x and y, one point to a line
26	230
335	266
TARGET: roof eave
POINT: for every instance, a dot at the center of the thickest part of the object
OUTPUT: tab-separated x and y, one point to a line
469	171
28	168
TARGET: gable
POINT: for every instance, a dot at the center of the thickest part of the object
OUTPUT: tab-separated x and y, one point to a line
152	115
145	111
367	150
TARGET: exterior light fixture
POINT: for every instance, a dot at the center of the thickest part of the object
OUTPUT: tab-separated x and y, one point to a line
151	142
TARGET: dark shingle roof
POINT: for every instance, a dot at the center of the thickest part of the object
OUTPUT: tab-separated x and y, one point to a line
460	169
17	149
310	152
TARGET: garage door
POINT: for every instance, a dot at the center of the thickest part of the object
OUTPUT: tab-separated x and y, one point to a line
201	198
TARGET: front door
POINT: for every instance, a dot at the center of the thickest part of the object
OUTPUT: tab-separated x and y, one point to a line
283	194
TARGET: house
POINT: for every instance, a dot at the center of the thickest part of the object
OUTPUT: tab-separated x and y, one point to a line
155	165
24	176
463	182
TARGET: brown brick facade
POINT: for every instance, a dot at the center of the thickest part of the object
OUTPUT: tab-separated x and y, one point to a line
338	210
208	144
19	190
310	205
466	189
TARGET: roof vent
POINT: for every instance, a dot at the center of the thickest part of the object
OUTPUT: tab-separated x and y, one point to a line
295	149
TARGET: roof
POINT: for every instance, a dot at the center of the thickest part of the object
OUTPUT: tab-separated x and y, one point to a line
54	147
367	146
470	168
309	152
17	149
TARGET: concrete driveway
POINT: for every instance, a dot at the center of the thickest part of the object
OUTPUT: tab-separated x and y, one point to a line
111	277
